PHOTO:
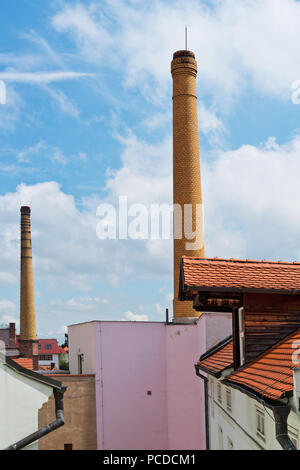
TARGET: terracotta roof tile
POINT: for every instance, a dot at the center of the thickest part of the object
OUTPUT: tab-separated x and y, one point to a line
243	274
219	360
270	374
25	362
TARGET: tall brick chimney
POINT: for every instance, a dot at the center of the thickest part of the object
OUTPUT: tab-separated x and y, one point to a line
28	343
186	167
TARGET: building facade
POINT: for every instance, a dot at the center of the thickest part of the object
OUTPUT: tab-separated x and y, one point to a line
50	353
147	395
79	431
251	378
20	386
239	422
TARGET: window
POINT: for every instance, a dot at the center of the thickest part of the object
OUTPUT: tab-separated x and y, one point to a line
220	437
228	399
68	446
219	393
229	444
260	423
80	363
45	357
40	346
48	346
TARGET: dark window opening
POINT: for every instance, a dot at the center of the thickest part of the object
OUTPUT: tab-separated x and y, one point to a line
79	363
68	446
45	357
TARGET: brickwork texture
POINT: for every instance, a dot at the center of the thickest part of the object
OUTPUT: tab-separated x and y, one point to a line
186	164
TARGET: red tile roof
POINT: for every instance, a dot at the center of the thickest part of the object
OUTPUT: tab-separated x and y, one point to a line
25	362
271	373
54	349
241	274
220	359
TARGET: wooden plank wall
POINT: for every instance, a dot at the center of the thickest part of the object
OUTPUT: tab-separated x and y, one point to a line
268	319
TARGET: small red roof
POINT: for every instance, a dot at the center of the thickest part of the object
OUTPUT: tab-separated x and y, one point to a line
271	373
220	359
25	362
50	346
240	274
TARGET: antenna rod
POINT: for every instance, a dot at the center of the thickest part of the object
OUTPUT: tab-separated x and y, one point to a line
186	38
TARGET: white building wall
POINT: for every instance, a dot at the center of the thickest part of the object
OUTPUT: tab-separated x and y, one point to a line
238	427
81	341
55	360
20	400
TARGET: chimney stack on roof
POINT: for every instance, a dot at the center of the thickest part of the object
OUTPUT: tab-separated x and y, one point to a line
186	167
12	335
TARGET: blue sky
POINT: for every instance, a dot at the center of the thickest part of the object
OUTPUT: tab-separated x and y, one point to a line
88	118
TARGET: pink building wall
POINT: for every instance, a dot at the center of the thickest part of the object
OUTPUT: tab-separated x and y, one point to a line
186	425
131	359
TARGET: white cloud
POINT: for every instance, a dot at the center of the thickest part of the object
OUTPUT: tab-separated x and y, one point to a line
89	34
7	319
64	103
145	175
11	111
129	316
51	152
238	43
40	78
251	202
7	305
62	330
7	278
80	303
159	309
209	123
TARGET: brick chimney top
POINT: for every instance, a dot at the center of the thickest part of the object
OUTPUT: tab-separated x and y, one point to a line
12	335
25	210
183	53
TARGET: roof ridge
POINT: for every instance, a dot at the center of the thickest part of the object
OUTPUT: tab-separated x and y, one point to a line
248	260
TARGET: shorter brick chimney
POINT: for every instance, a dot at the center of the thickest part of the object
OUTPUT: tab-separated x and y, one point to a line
12	335
28	342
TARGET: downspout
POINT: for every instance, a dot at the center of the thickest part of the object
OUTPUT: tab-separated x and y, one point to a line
60	421
205	380
281	414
